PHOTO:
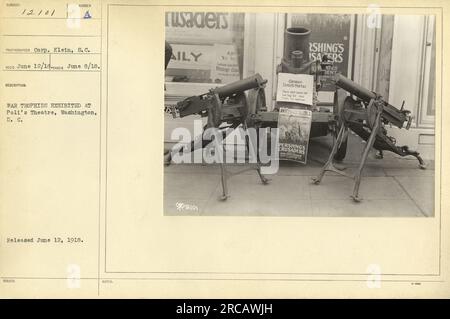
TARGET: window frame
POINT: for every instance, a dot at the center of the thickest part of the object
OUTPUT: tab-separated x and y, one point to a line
174	91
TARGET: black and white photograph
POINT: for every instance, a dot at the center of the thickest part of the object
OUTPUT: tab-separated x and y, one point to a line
207	149
367	82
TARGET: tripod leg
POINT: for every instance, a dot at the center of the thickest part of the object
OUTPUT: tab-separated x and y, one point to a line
367	149
167	157
379	154
422	164
405	152
195	144
223	170
263	179
223	176
248	144
329	162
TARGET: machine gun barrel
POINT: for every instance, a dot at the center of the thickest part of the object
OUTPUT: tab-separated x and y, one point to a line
390	113
251	82
199	104
354	88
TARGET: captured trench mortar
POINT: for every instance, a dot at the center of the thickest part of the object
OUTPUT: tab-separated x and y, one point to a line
296	60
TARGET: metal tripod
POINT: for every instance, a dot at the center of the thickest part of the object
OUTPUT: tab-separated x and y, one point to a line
367	123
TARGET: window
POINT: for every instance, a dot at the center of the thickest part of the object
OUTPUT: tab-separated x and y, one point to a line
330	35
207	47
429	73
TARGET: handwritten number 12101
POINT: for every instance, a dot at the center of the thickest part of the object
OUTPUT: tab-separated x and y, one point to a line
32	12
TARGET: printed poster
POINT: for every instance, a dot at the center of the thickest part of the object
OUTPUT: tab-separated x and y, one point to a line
330	36
294	128
216	63
226	66
195	26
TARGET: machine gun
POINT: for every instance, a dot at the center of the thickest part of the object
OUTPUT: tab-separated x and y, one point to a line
366	114
226	108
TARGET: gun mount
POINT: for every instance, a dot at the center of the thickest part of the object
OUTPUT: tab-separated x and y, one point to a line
226	108
228	103
366	113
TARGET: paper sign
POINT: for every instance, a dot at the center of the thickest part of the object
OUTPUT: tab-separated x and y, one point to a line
226	68
295	88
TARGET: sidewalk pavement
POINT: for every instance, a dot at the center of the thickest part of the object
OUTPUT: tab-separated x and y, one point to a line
390	187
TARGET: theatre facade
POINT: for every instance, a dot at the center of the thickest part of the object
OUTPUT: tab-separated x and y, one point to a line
392	55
